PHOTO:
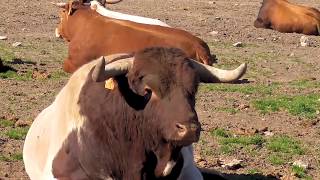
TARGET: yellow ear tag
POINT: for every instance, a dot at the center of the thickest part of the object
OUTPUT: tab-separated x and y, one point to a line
109	84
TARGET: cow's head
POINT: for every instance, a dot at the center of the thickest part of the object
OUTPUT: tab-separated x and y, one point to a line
167	81
67	9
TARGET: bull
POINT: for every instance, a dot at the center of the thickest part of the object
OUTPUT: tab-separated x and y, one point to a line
91	35
132	131
286	17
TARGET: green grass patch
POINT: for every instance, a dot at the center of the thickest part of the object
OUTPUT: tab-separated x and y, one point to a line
240	88
301	105
228	110
59	74
229	143
254	171
219	132
278	159
6	53
300	172
285	144
11	158
17	133
304	84
16	76
6	123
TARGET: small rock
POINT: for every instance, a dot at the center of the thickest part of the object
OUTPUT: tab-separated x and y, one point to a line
268	133
3	37
301	164
231	165
213	33
217	18
291	54
237	44
211	2
16	44
304	41
261	38
21	123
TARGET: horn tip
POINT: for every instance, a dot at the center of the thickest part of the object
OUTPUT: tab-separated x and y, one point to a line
98	71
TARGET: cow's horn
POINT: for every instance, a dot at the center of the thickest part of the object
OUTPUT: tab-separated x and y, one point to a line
209	74
61	5
112	1
103	72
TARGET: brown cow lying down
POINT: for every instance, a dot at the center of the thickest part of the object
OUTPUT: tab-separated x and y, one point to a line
129	132
286	17
91	35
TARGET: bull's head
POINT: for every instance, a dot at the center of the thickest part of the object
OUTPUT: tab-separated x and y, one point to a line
167	80
68	9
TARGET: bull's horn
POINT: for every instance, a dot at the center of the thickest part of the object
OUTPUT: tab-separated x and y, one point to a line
209	74
103	72
61	5
112	1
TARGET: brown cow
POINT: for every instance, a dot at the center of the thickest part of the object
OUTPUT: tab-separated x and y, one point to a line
128	132
286	17
91	35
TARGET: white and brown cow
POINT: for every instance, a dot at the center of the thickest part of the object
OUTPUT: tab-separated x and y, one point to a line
133	131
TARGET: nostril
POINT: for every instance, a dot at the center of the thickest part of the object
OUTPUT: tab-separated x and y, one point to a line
182	129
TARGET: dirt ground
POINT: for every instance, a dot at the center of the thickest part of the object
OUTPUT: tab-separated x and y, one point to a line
276	62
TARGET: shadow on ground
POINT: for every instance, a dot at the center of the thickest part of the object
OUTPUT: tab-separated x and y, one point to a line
209	174
4	68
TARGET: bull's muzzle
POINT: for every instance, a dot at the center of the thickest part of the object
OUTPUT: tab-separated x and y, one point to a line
188	133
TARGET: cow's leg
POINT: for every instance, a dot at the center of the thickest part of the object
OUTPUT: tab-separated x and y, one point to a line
189	170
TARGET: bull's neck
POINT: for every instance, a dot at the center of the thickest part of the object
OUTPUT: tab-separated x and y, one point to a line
77	22
117	131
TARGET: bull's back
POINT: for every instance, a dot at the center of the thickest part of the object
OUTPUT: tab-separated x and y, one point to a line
286	17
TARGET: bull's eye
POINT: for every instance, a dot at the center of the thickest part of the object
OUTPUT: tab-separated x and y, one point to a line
140	78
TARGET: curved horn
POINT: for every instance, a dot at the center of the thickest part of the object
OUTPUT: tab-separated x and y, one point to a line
103	72
113	1
209	74
61	5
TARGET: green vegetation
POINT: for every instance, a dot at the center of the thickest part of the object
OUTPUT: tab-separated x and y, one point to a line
240	88
229	143
58	74
277	159
11	158
219	132
285	144
283	148
6	54
228	110
6	123
254	171
300	172
304	84
16	76
17	133
301	105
